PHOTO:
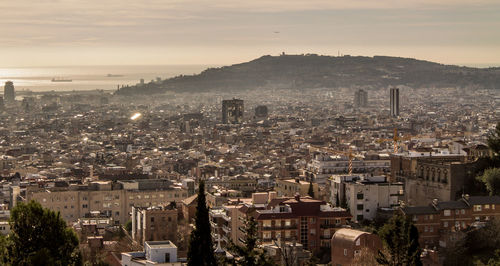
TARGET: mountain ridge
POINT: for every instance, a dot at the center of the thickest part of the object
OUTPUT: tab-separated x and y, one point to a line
321	71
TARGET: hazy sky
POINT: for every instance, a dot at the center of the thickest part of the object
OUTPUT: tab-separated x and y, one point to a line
104	32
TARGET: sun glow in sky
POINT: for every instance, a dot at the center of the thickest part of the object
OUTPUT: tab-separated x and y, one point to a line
112	32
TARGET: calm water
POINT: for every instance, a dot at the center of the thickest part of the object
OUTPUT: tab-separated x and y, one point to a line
89	77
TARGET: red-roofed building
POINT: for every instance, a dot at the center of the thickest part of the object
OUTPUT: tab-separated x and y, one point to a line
302	219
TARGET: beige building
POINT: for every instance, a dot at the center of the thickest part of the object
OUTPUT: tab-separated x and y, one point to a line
290	187
111	199
154	224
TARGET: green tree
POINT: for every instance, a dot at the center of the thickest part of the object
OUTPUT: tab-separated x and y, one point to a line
491	179
40	236
201	250
311	189
400	238
250	254
128	226
494	143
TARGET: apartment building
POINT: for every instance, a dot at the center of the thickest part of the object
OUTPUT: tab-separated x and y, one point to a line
154	223
439	222
322	166
302	219
113	199
364	195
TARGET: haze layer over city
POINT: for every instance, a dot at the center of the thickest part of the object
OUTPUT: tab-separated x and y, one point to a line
250	133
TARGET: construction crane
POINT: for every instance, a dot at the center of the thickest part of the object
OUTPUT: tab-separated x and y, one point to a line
350	155
396	139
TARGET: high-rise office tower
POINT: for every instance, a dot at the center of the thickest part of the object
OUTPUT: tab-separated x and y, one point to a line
394	102
9	94
360	98
232	111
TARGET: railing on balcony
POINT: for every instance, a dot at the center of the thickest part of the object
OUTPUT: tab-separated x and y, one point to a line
326	226
279	227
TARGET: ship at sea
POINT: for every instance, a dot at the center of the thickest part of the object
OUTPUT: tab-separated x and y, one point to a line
61	80
113	75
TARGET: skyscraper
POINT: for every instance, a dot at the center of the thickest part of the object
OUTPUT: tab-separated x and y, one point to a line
8	92
360	98
394	102
232	111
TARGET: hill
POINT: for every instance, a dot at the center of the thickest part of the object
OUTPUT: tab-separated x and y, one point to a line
315	71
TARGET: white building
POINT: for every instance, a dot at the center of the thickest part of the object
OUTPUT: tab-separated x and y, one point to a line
323	166
364	195
158	253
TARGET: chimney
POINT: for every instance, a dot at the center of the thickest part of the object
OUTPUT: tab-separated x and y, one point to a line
466	197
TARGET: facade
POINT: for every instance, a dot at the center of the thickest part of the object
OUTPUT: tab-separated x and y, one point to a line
347	244
428	175
9	93
154	224
439	223
301	219
394	102
365	195
232	111
361	98
111	199
323	166
291	187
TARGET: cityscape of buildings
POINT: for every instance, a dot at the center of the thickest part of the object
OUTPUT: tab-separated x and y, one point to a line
312	169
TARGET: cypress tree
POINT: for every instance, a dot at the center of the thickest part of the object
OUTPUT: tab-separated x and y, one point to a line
400	238
311	189
201	250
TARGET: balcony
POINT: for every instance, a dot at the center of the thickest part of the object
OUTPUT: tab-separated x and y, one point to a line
327	226
277	228
226	218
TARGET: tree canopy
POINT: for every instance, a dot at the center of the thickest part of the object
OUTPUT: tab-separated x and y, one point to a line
201	250
400	238
39	236
491	179
250	254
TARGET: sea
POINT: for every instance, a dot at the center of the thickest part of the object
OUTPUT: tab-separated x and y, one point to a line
38	79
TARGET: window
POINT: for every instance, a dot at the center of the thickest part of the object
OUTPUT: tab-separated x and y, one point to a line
131	197
152	219
445	224
312	231
345	252
360	207
477	208
358	242
447	212
486	206
457	211
288	223
463	211
312	220
426	229
431	229
337	221
85	206
431	217
360	196
492	206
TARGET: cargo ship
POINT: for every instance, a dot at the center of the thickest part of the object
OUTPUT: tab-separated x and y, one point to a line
61	80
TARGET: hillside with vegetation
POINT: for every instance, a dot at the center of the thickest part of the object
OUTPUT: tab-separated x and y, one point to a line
302	72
